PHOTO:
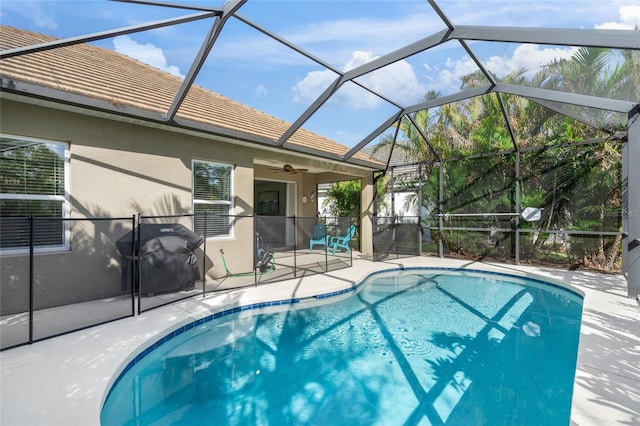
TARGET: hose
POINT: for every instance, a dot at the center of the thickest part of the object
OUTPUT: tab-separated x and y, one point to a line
243	274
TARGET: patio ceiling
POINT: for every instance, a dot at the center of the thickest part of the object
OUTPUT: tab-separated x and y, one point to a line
221	25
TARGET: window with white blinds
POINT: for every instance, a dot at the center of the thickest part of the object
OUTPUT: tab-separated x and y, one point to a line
212	193
33	181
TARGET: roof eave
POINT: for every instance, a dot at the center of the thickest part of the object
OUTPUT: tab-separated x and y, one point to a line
36	94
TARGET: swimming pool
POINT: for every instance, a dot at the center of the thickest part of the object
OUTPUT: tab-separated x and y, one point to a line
411	346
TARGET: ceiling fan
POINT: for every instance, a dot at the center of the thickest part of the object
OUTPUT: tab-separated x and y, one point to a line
288	168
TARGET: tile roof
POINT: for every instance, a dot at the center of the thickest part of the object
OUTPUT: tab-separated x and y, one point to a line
103	74
381	153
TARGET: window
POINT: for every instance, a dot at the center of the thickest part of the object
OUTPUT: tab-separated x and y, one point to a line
212	193
33	181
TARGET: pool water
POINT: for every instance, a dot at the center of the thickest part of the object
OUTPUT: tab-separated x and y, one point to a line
409	347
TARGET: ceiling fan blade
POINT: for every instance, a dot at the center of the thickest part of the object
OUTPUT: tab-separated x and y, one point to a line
287	168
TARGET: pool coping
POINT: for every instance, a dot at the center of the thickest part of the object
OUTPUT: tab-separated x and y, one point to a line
80	368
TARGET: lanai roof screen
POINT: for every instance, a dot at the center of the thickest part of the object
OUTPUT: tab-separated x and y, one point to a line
349	70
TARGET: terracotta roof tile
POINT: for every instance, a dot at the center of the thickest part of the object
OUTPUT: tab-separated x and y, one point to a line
109	76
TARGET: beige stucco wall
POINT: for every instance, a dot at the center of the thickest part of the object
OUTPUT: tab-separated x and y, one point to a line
120	169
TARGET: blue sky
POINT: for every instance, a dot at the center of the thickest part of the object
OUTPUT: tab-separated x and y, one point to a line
249	67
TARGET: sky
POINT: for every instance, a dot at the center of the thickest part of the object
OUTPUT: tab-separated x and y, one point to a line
247	66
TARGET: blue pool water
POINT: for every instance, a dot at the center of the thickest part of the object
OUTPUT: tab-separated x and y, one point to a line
409	347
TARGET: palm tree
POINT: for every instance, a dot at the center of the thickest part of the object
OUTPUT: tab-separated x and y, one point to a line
577	186
587	186
411	143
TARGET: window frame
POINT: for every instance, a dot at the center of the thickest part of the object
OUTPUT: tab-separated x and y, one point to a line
229	203
66	209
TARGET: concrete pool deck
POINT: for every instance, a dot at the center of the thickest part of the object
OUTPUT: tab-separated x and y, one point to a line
64	380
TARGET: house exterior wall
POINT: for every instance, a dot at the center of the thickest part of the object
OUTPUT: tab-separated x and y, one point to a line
120	169
117	169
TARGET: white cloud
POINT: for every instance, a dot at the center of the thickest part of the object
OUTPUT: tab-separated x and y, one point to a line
629	19
354	98
400	81
397	81
358	58
147	53
44	20
261	90
630	15
612	26
312	85
446	79
530	57
443	81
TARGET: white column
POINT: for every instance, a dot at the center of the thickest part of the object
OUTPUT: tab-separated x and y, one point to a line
366	214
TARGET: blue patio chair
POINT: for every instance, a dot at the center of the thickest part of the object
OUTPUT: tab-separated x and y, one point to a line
342	241
319	236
